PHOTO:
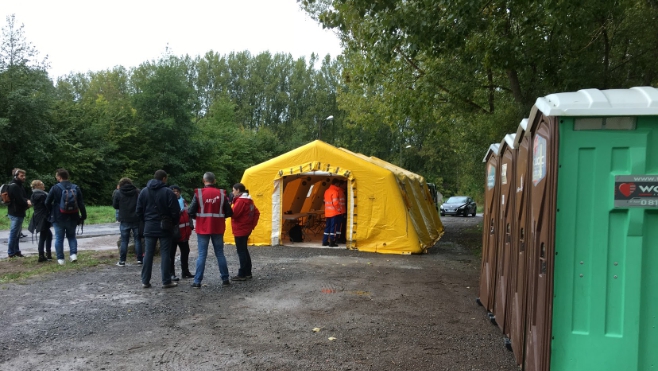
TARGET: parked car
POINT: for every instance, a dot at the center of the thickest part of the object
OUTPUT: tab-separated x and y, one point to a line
459	205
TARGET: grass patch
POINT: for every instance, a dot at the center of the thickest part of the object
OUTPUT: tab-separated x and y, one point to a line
95	215
22	269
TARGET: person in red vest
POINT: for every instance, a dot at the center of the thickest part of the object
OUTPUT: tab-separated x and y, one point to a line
244	220
185	227
210	207
332	213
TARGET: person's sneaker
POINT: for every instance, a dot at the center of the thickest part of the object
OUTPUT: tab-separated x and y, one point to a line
196	285
42	259
249	277
188	275
238	278
121	263
174	278
325	244
139	262
226	283
146	285
19	255
74	258
23	235
49	257
169	285
60	261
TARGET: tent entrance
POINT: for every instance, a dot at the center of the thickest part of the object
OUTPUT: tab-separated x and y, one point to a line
302	204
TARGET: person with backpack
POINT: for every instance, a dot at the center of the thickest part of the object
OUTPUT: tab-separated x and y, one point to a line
39	223
125	203
244	220
66	208
18	204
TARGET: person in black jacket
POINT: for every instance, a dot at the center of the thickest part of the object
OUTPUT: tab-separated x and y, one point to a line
18	204
155	202
125	202
39	223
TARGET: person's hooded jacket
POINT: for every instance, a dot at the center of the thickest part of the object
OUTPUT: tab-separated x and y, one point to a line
39	220
125	200
245	215
164	203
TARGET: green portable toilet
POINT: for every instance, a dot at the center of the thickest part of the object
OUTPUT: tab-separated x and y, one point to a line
593	231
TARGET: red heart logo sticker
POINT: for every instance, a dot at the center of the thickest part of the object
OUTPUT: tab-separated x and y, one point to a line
627	188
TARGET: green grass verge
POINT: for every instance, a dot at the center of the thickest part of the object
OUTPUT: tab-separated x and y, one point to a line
95	215
21	269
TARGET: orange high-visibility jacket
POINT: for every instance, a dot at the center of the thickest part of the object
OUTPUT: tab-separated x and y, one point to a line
332	205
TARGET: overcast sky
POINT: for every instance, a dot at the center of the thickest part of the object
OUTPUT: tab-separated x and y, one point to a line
83	36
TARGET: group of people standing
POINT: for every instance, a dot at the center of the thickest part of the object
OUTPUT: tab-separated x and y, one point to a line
62	207
165	218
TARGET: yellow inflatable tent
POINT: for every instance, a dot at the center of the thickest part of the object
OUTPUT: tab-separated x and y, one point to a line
389	209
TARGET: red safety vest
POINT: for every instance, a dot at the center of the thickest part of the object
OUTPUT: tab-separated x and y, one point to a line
332	202
210	214
184	226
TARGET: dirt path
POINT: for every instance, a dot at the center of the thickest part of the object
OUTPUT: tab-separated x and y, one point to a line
385	312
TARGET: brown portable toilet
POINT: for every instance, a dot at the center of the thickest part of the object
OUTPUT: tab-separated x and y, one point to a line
517	294
507	163
490	230
542	133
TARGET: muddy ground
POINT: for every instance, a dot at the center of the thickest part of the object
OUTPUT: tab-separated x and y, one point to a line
373	312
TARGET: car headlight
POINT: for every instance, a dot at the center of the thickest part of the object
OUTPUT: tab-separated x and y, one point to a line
461	207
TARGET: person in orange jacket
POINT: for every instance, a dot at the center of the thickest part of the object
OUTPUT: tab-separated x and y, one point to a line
332	212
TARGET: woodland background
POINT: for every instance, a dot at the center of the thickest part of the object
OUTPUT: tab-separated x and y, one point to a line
424	84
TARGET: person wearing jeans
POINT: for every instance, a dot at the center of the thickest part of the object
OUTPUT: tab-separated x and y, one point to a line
18	204
210	207
65	221
125	203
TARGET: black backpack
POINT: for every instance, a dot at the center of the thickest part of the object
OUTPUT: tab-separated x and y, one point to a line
296	234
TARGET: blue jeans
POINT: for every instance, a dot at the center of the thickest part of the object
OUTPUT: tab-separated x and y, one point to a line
65	227
218	244
125	229
165	258
16	224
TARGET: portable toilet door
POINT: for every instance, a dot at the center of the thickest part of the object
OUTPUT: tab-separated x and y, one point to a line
518	277
506	159
606	229
543	135
489	230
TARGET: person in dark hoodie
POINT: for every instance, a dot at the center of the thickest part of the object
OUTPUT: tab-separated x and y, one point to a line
155	202
39	223
125	202
16	210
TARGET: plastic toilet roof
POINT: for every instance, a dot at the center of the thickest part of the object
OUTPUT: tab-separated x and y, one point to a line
493	148
637	101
